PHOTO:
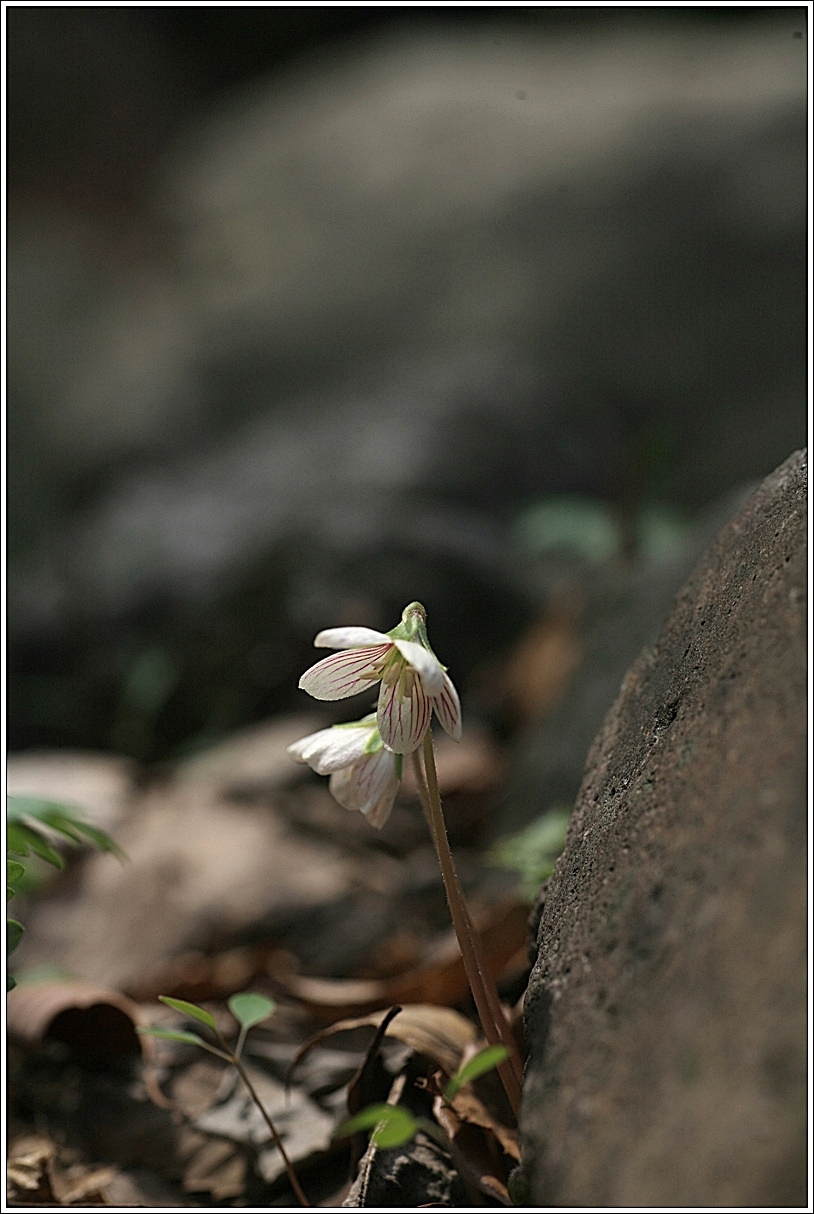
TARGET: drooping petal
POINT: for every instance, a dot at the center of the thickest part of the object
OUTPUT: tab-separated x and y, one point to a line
349	638
343	674
311	744
427	665
369	786
403	714
448	709
330	749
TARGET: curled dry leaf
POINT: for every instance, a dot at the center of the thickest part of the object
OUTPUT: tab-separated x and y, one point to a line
439	1032
468	1109
484	1150
92	1020
361	1089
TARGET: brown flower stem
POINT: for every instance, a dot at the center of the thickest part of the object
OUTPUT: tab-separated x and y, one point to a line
481	982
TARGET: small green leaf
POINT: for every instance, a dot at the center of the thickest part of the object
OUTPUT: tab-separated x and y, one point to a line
19	807
173	1035
485	1060
14	932
393	1125
397	1130
10	983
189	1009
21	840
100	840
249	1009
60	821
13	871
66	819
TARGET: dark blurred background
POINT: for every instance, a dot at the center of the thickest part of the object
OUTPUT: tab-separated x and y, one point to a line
313	311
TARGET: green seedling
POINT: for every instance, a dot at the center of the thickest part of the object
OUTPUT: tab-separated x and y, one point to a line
394	1125
248	1009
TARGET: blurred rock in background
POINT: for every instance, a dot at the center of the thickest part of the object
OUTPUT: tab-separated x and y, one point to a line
292	347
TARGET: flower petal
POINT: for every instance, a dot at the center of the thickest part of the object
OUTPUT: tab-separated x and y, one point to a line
448	709
343	674
403	719
299	750
424	662
369	786
330	749
349	638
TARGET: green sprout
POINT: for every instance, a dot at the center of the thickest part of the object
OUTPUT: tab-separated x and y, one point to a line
393	1125
248	1009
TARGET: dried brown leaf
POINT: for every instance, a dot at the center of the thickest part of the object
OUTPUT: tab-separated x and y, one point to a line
439	1032
91	1019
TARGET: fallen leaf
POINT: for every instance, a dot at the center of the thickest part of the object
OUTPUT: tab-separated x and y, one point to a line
360	1087
305	1129
479	1144
216	1167
443	981
439	1032
93	1020
27	1169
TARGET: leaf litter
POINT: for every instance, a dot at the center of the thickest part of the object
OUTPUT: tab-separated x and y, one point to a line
214	1147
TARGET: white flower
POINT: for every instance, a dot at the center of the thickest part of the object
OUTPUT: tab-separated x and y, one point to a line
364	775
413	681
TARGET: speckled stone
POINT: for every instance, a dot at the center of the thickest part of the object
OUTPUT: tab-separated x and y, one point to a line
666	1012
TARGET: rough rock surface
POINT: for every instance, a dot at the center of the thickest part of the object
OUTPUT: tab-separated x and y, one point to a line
666	1013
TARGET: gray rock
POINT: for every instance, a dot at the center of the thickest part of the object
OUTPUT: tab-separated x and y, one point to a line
625	606
666	1012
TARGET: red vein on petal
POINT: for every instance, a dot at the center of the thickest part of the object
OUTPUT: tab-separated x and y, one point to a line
342	674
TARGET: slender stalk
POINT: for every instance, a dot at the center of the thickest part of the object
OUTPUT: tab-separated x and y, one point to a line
234	1058
480	978
278	1142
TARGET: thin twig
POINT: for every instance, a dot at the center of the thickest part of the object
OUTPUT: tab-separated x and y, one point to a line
480	978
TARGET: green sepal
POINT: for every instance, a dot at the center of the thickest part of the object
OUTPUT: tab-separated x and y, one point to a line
413	620
374	744
413	627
